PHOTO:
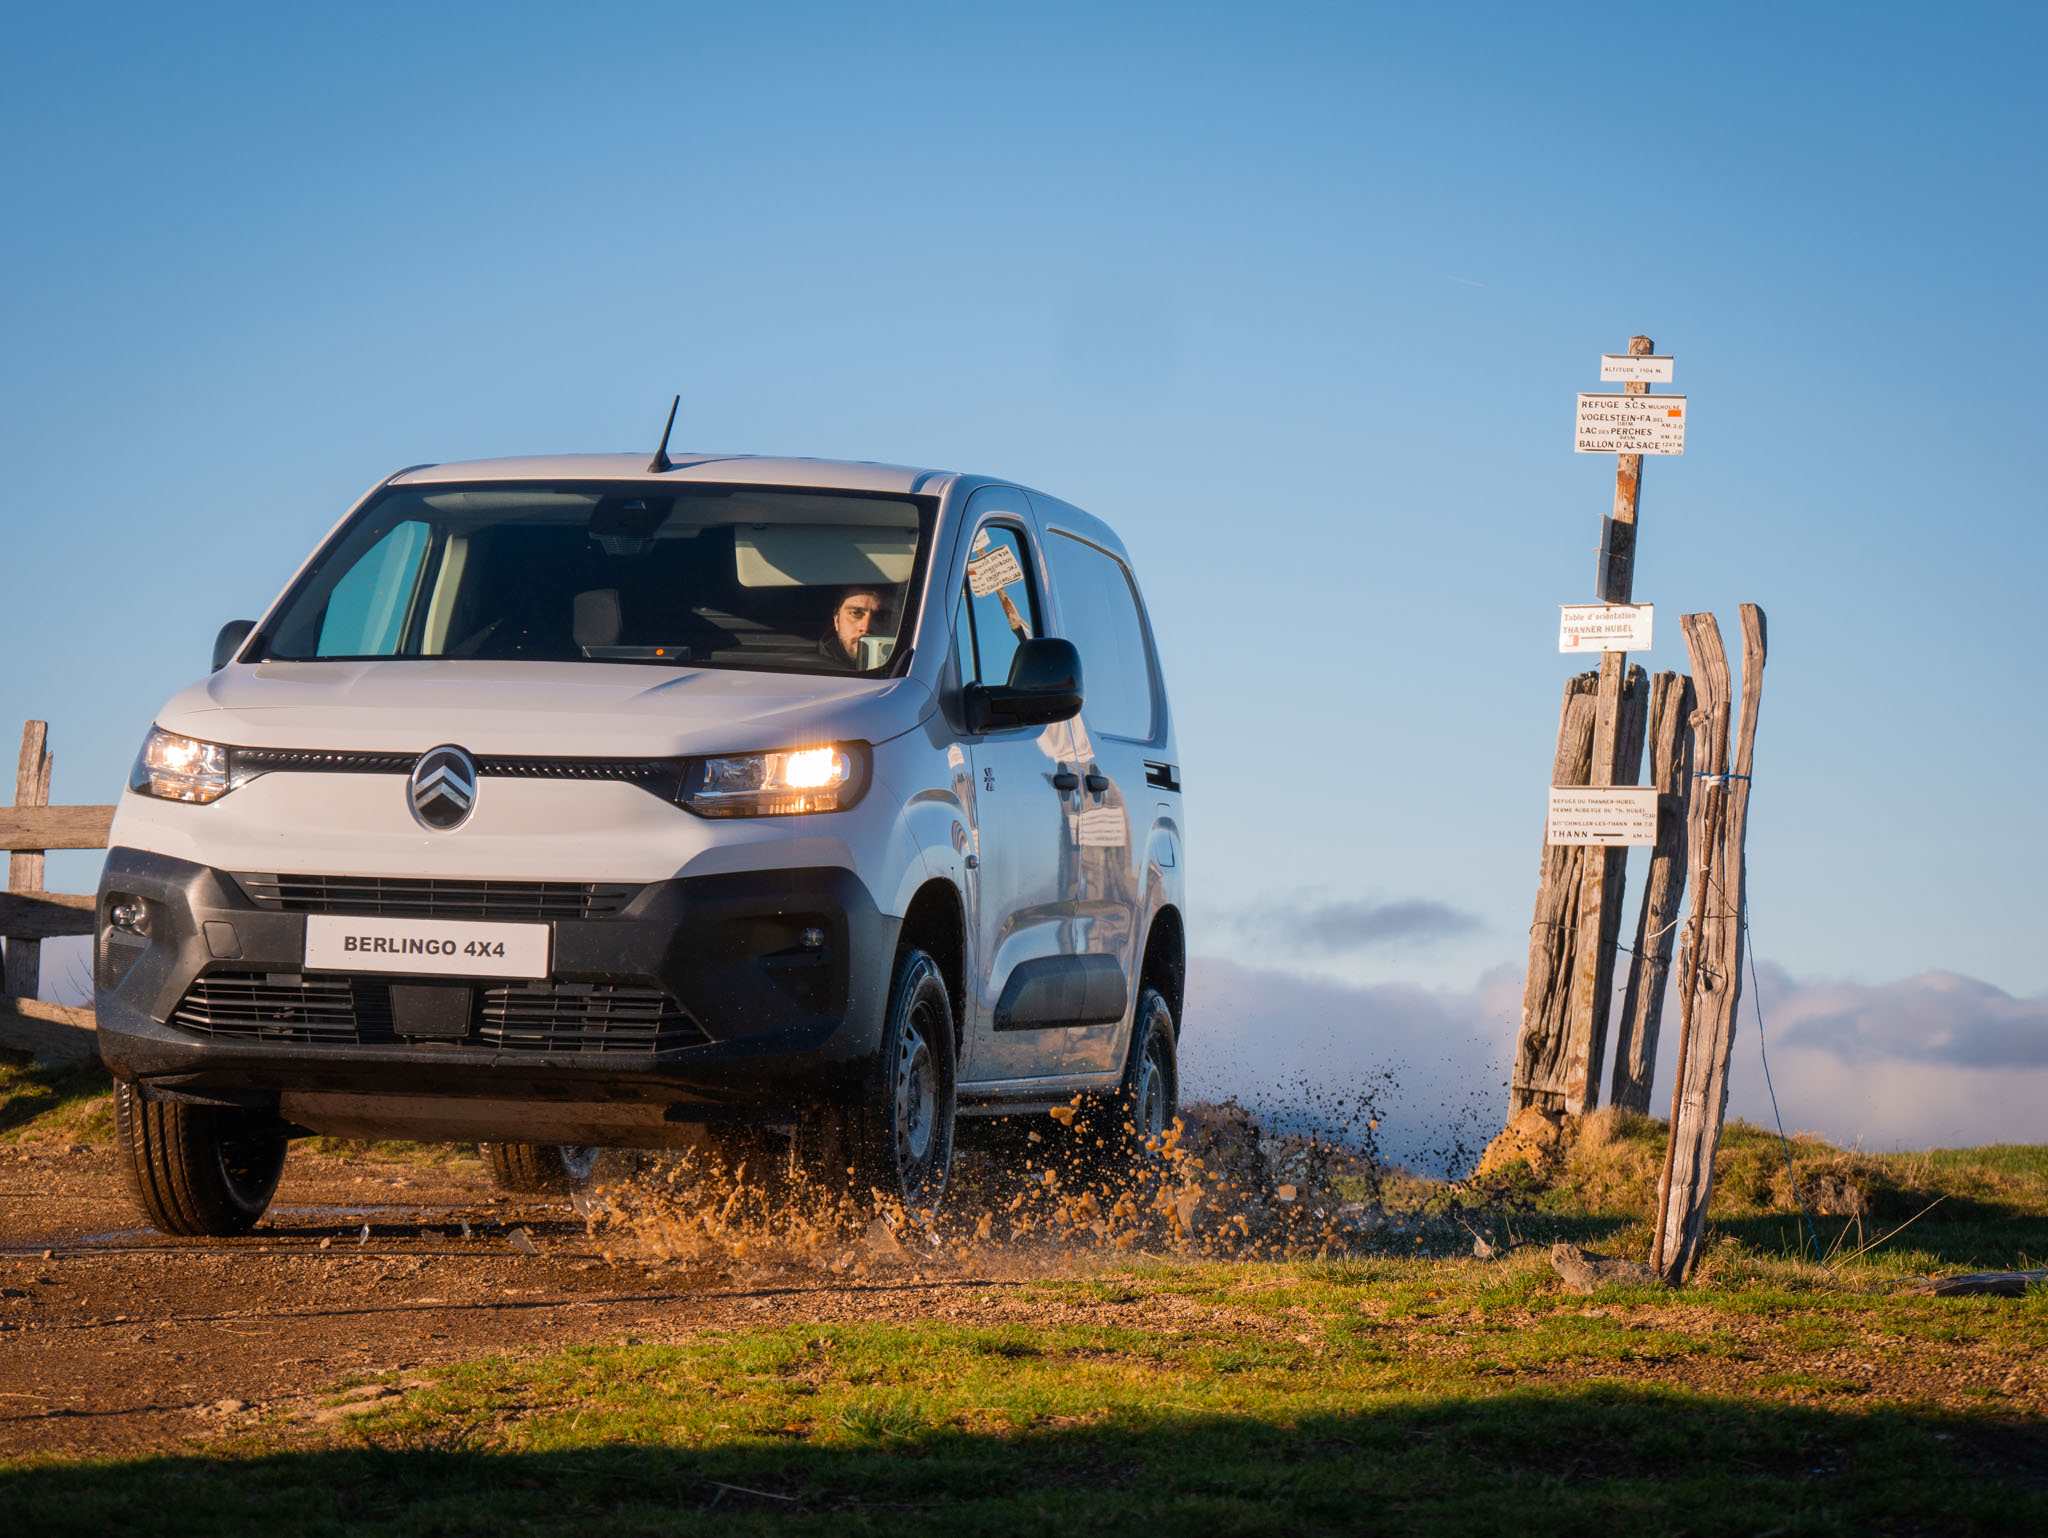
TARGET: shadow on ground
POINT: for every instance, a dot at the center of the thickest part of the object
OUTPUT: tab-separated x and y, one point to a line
1528	1461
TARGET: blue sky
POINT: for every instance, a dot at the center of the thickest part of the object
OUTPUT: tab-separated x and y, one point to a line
1297	297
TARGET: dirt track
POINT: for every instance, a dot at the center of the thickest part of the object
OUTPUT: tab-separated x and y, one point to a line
116	1339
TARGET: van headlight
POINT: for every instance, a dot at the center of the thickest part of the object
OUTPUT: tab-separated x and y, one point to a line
822	779
177	768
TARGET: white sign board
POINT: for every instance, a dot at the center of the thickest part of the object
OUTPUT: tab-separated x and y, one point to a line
993	572
1630	424
1602	814
441	947
1620	368
1604	627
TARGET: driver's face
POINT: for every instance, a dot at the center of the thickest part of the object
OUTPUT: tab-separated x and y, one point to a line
856	617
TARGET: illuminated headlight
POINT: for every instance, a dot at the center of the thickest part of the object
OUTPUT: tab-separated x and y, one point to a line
824	779
176	768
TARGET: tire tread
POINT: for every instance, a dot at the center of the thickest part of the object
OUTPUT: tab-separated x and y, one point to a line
170	1162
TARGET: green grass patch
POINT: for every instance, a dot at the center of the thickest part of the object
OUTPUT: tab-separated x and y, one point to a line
878	1428
67	1105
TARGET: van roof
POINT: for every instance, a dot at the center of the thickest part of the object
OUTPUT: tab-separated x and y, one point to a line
749	470
744	469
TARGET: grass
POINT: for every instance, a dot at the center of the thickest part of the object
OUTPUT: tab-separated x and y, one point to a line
67	1105
1944	1209
1337	1409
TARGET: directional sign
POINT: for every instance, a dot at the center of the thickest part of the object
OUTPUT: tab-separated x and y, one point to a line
1604	627
992	572
1602	814
1630	424
1620	368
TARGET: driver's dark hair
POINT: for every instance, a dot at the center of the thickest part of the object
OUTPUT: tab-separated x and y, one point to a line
879	589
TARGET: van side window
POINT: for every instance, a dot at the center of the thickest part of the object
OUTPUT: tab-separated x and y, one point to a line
1100	608
1000	604
367	611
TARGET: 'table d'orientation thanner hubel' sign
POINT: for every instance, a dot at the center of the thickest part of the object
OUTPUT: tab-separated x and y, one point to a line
1604	627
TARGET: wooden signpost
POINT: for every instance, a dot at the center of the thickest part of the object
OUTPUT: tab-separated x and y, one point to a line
1569	990
1692	815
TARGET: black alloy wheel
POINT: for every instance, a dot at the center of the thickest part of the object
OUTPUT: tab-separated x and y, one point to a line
198	1171
896	1137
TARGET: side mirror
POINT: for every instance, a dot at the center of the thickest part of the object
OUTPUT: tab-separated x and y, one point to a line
230	640
1044	686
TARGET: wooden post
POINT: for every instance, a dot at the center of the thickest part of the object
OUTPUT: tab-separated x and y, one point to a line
1603	880
1642	1009
1538	1078
50	1033
1710	963
1548	1072
23	975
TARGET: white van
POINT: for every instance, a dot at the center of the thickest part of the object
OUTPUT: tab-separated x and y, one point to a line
579	802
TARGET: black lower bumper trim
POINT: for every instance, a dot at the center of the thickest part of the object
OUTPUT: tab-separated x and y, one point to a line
756	987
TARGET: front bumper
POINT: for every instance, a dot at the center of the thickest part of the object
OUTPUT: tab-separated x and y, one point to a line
769	1024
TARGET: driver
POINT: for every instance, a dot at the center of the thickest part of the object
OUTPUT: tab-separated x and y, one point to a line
858	611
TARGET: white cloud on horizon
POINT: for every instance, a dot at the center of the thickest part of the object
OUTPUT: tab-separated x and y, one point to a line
1928	1061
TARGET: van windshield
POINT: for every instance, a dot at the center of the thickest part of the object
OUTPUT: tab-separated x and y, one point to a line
731	577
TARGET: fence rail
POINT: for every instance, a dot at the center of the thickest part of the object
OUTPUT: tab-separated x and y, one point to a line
29	915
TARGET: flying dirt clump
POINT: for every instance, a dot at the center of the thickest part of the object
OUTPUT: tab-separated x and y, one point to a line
1044	1192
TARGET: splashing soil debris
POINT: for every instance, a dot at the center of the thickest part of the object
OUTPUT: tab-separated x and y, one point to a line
1038	1194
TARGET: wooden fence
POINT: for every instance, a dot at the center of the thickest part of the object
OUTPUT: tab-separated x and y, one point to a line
29	915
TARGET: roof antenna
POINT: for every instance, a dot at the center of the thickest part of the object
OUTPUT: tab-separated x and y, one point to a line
661	461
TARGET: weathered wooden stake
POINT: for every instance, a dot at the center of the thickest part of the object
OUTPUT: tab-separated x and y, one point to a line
1548	1073
24	969
1538	1076
1642	1009
1600	908
1710	962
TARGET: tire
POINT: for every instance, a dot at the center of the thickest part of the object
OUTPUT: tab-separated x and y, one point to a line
896	1136
532	1169
197	1171
1117	1136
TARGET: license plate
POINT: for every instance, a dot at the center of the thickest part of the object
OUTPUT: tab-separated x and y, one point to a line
426	947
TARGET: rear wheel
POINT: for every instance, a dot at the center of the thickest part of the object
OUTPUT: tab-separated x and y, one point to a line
896	1136
197	1170
537	1168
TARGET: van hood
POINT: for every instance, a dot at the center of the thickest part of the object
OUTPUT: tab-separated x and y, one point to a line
575	709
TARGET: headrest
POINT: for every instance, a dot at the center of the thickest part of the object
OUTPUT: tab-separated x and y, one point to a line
597	617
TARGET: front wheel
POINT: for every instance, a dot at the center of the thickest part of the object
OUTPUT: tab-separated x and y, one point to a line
536	1168
896	1137
1118	1135
197	1170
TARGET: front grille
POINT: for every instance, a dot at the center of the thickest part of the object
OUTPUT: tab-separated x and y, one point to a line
658	776
584	1017
507	1017
274	1006
251	761
396	897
